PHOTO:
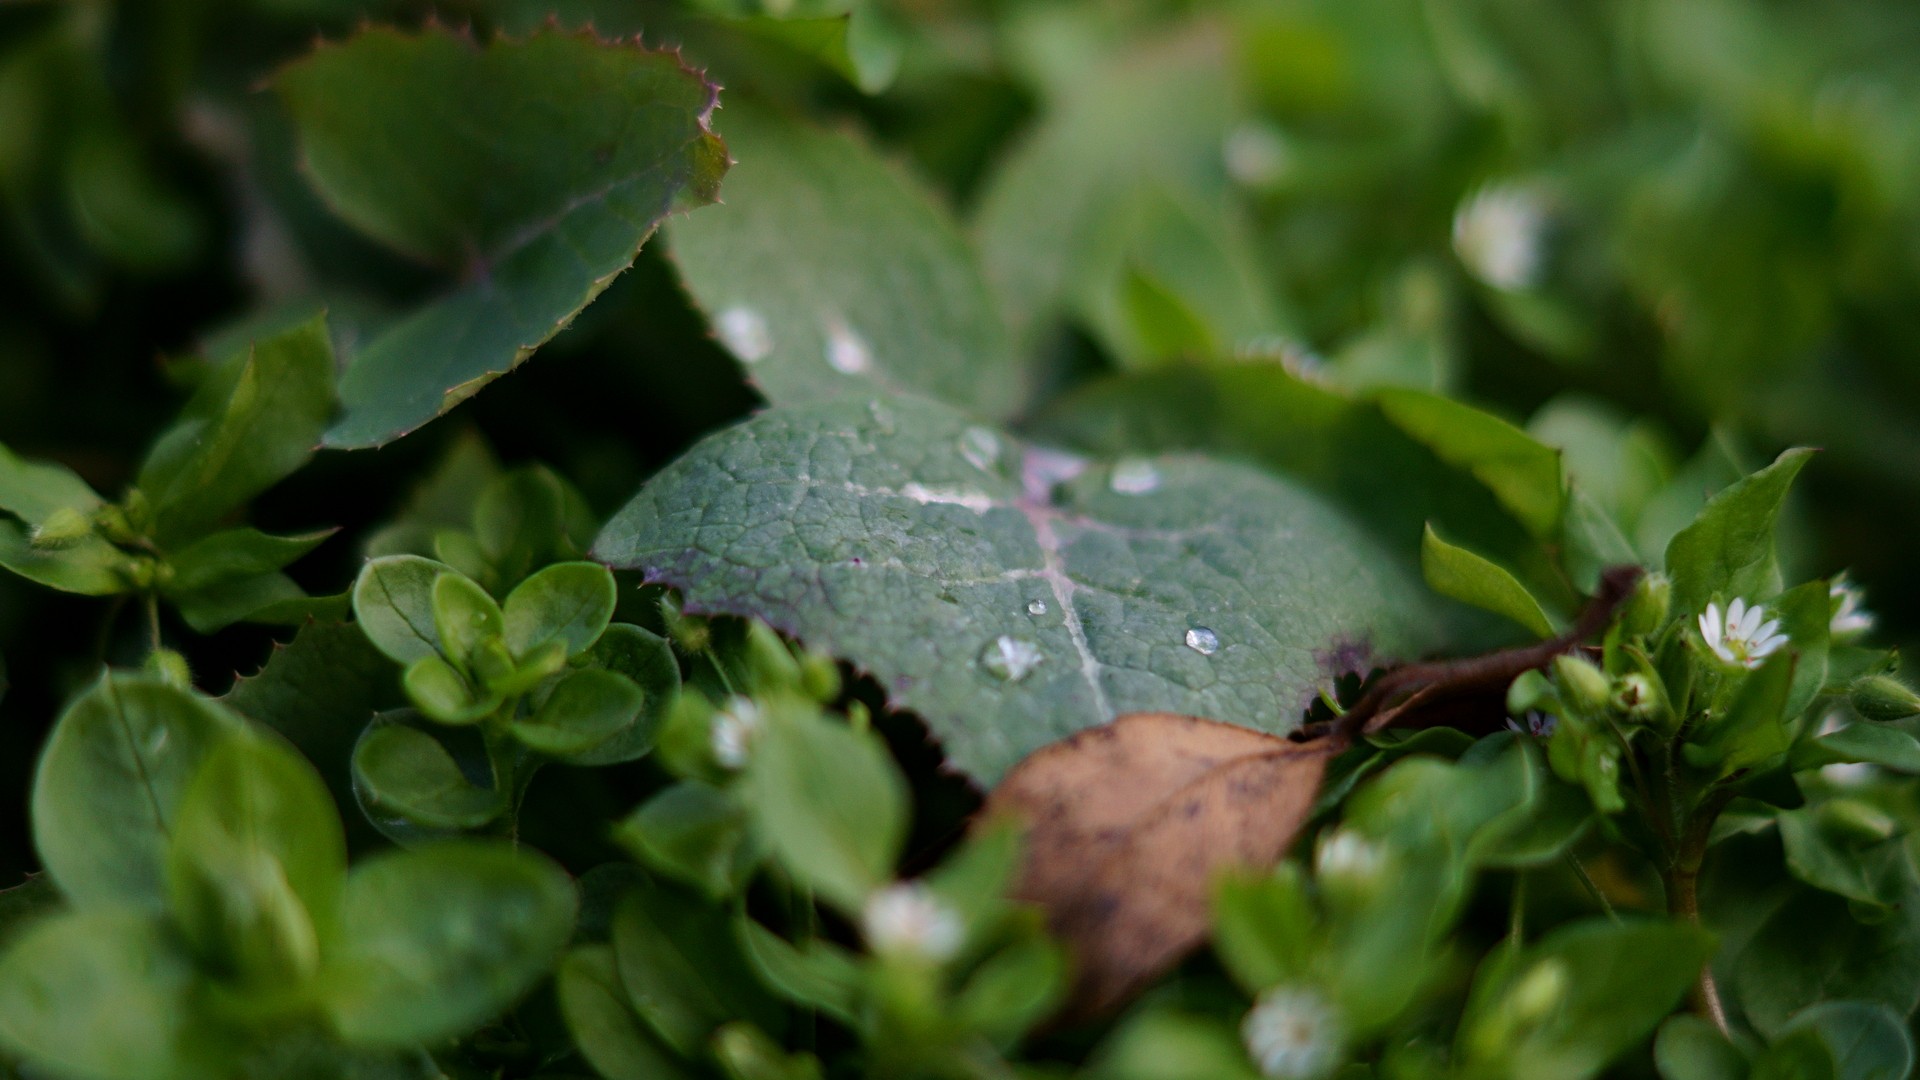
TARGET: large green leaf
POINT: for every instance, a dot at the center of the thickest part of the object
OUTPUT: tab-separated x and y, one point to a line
110	784
535	169
439	939
1729	549
830	274
1012	594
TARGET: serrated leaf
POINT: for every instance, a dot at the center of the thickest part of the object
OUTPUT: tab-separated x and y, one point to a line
829	274
585	147
1013	595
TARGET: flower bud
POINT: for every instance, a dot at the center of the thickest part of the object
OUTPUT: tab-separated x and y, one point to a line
170	668
690	632
62	528
1586	687
1646	609
1883	697
1636	696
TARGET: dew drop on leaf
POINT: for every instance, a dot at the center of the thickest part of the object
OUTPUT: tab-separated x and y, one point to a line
1134	478
1010	658
847	351
1036	607
1203	641
744	332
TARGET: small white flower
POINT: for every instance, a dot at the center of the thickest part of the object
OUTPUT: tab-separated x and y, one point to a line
1497	234
1292	1033
1742	640
907	919
1346	856
1256	155
731	735
1849	620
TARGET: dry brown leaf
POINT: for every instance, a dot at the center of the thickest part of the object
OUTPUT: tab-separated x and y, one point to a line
1130	824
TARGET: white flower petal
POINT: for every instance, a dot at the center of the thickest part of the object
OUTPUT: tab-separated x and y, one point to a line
1710	626
1736	611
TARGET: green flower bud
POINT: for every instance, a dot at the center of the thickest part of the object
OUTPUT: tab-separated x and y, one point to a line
1585	687
1883	697
62	528
170	667
1646	610
690	632
1527	693
1636	696
116	525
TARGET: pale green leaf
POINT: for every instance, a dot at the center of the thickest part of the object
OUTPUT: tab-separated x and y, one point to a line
1473	579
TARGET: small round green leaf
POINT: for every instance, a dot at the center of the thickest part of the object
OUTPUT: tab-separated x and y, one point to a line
570	602
608	1033
682	968
437	940
464	615
110	784
403	770
647	659
443	694
586	709
393	602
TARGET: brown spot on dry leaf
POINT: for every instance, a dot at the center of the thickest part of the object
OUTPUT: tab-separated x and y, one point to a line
1131	823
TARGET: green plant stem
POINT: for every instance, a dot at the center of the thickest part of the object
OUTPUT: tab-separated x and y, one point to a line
153	620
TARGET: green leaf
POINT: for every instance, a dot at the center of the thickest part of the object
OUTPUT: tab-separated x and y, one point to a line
256	863
647	659
697	835
441	692
1826	848
1690	1048
586	147
34	490
815	975
1868	1041
436	940
1755	725
682	970
1582	996
235	553
570	602
255	422
829	800
1875	744
262	598
110	783
1810	949
89	566
104	995
463	616
402	770
393	603
1013	595
527	518
750	1054
1523	473
1729	550
612	1039
1472	579
1160	1044
1805	613
830	274
584	710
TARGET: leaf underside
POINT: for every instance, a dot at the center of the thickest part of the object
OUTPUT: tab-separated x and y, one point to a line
1013	595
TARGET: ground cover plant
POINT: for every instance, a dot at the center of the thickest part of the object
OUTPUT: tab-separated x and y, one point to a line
1301	539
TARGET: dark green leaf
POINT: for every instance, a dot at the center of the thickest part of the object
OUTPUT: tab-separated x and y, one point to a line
438	939
695	834
235	553
255	422
1011	595
571	603
1522	472
814	975
1812	949
585	709
1868	1041
402	770
647	659
829	274
610	1036
110	783
1689	1048
682	970
1729	549
586	146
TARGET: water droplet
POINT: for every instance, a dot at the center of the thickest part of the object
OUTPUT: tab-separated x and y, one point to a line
744	332
1036	607
1203	641
847	351
1134	477
1010	658
981	448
